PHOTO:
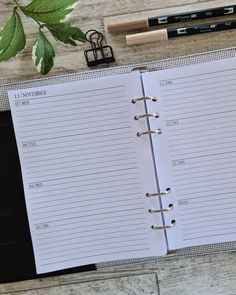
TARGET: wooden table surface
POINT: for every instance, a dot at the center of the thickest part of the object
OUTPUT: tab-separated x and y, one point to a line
213	274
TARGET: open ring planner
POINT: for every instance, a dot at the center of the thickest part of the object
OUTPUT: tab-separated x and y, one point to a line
122	165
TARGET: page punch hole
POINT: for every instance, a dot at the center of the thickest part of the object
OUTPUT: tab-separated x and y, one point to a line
99	53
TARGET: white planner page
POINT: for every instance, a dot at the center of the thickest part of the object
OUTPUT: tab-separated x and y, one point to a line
86	172
196	151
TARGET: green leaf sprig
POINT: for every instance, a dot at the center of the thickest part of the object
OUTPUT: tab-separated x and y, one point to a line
49	14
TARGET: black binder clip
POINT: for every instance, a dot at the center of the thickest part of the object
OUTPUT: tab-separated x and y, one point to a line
98	54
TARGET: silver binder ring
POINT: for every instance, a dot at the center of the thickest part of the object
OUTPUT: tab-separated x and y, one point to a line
166	192
154	115
158	131
155	210
157	227
136	99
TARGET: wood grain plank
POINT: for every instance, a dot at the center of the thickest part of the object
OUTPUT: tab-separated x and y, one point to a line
213	273
173	47
204	275
31	284
130	285
87	15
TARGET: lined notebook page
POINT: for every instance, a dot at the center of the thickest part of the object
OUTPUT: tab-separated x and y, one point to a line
196	152
86	172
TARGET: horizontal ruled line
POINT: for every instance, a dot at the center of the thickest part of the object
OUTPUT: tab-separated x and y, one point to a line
201	74
78	103
79	134
71	166
208	225
200	90
206	196
206	191
82	160
228	76
86	224
203	131
219	229
217	154
91	230
76	119
79	190
207	211
202	163
88	211
203	115
198	141
202	175
95	249
196	96
69	145
95	129
207	181
78	99
197	126
87	220
96	214
91	140
81	139
84	170
76	176
120	119
222	166
189	86
106	253
169	103
210	235
204	145
216	187
83	197
92	194
227	148
216	217
76	243
75	206
207	203
205	110
68	110
92	236
201	136
106	152
83	181
75	114
85	148
205	221
72	93
125	240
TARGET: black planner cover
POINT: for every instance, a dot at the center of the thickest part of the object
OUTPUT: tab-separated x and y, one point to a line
16	252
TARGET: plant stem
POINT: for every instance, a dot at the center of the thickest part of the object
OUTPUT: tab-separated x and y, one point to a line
40	25
15	1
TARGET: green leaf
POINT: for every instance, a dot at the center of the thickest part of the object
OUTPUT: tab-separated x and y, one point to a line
49	11
12	38
65	33
43	54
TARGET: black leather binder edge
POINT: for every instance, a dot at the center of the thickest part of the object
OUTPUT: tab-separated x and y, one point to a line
16	252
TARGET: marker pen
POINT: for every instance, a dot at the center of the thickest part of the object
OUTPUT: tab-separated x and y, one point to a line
166	34
147	23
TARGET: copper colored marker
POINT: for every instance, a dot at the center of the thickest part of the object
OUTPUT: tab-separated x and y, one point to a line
165	34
